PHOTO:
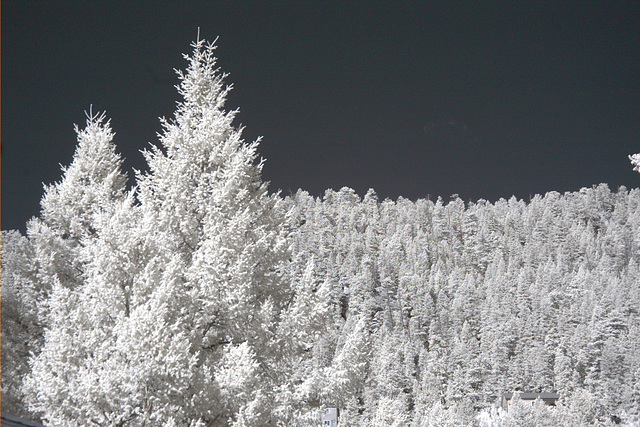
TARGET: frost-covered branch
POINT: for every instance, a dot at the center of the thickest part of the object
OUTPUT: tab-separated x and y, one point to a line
635	161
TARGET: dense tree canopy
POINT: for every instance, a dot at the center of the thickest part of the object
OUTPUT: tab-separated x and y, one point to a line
462	303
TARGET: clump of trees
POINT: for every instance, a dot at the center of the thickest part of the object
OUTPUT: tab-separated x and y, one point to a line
199	298
459	303
160	305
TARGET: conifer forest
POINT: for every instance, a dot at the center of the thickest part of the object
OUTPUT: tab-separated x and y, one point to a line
189	294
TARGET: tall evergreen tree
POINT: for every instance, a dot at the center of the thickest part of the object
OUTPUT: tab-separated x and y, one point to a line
91	184
60	238
216	241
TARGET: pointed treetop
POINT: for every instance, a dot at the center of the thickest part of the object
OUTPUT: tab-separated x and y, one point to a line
635	161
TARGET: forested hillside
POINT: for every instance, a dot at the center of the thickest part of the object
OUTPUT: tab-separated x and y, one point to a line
447	305
200	298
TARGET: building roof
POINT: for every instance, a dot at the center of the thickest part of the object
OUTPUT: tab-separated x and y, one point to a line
11	421
531	396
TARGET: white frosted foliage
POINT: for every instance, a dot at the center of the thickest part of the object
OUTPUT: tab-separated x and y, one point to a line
174	317
635	161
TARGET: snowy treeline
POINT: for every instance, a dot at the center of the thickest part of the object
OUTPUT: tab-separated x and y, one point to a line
449	305
199	298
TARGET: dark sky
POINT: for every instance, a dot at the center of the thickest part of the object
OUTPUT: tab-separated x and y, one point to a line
413	99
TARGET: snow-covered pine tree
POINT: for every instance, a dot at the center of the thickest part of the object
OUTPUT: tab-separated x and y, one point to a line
213	243
91	186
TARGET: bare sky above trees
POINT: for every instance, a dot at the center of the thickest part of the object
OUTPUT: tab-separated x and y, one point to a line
413	100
